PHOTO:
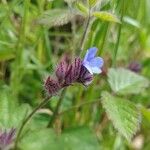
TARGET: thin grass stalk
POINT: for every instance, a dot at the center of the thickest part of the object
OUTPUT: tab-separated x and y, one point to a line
17	74
54	116
85	31
118	37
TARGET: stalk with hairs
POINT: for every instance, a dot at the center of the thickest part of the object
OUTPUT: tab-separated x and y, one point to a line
79	71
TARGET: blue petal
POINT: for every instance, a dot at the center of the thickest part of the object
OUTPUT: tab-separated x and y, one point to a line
96	70
96	62
88	67
90	54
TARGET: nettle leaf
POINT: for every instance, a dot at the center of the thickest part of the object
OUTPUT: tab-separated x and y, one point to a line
81	7
56	17
123	81
72	139
123	114
106	16
11	114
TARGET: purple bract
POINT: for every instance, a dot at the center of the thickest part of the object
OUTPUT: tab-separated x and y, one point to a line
7	138
80	71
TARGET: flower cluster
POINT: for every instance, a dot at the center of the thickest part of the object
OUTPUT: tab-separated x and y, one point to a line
80	71
6	138
135	66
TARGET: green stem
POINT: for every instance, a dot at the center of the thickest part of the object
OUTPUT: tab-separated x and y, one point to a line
18	71
118	38
78	106
45	101
86	30
57	108
104	39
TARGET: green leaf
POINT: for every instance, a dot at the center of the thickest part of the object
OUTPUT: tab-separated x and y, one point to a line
146	113
73	139
131	21
56	17
123	114
70	1
81	7
123	81
80	139
11	114
6	54
92	3
43	139
106	16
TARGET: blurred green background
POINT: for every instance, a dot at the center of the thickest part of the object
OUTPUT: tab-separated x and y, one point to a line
33	39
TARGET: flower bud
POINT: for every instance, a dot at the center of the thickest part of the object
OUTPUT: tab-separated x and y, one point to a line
73	72
69	76
77	68
135	67
7	138
52	86
61	70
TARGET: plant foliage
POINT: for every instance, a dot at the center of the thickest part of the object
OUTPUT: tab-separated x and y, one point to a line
123	114
78	138
123	81
56	17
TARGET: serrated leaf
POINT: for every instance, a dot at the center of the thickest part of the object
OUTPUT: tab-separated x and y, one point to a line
106	16
81	7
123	81
56	17
123	114
73	139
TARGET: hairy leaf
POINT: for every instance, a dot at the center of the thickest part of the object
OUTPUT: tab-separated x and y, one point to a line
123	114
56	17
106	16
123	81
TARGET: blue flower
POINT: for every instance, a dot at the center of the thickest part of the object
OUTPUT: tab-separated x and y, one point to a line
91	63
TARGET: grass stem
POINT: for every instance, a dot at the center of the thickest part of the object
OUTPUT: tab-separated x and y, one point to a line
86	30
118	37
57	108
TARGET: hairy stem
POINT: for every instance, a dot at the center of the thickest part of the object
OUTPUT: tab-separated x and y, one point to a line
57	108
45	101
